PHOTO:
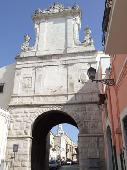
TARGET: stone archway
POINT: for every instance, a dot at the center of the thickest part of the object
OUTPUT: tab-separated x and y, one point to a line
41	127
85	116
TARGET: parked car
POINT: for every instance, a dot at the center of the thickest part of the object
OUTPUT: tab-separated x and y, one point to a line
74	162
53	165
68	162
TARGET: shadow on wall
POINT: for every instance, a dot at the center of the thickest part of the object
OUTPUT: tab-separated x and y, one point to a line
78	111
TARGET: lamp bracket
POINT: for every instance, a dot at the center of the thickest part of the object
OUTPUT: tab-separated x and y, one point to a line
109	82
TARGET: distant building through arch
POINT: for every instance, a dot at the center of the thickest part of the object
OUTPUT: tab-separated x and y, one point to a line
41	128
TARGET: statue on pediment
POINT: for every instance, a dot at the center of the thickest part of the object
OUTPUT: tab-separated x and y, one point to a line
87	39
77	26
76	7
25	46
56	7
38	11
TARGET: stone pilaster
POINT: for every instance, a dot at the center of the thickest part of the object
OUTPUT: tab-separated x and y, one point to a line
91	155
20	160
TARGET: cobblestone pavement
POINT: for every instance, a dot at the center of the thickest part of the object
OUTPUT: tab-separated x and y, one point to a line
69	167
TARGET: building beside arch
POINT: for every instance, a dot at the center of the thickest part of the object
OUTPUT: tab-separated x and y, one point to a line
115	105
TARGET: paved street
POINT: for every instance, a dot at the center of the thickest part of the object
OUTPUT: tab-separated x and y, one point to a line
69	167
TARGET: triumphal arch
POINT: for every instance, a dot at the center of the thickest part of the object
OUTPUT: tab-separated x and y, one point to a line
51	87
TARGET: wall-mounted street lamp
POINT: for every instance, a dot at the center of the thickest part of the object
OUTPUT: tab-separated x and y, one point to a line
15	149
91	74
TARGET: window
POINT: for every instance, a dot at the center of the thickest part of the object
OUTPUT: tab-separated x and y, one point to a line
1	87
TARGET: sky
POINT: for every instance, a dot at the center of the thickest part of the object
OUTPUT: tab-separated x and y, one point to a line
15	22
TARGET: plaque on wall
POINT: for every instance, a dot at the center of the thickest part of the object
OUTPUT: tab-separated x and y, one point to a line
27	82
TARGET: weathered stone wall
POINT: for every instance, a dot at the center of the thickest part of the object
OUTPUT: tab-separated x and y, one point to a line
4	124
45	84
87	117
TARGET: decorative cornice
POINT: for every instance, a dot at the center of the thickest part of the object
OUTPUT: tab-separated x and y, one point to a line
20	137
55	10
106	19
34	55
47	99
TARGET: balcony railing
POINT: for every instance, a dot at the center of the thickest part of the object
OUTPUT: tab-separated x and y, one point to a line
106	18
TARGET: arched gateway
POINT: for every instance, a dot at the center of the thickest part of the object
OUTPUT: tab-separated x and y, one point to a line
51	87
40	130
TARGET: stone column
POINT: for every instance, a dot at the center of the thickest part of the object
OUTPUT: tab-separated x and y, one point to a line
91	156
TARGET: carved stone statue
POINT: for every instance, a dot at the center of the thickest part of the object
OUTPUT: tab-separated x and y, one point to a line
77	26
38	11
56	8
25	46
76	7
88	39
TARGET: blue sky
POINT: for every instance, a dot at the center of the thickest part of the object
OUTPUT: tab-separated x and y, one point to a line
15	21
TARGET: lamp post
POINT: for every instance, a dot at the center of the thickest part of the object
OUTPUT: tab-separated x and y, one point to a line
91	74
15	150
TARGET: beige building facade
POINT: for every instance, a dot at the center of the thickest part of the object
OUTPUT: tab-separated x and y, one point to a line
62	147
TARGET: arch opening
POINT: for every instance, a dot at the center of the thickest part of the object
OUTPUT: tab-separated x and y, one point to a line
40	133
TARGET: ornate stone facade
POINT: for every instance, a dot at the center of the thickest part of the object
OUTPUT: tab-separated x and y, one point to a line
52	76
